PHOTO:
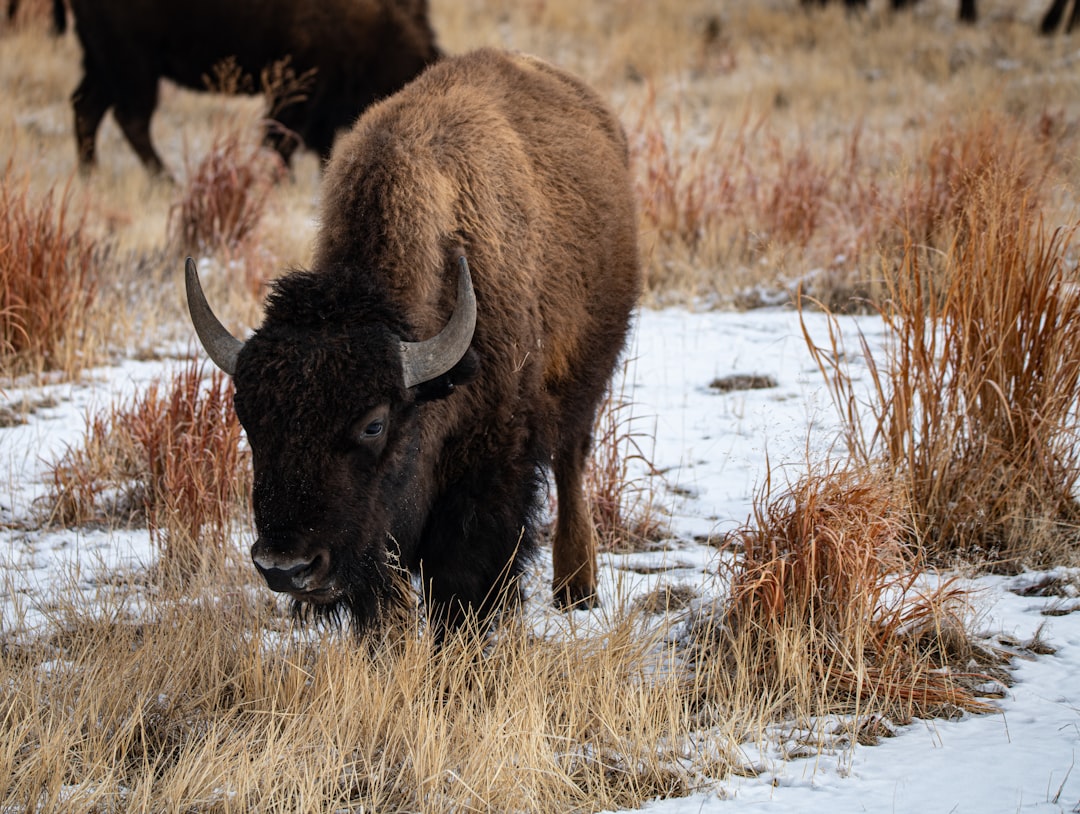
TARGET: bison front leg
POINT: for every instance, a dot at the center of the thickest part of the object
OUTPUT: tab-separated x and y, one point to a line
90	103
133	115
476	541
574	547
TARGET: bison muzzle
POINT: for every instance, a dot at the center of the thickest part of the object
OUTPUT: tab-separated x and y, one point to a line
471	292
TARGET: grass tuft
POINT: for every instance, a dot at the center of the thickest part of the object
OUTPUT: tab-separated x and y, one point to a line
973	410
49	271
225	195
172	458
621	499
830	610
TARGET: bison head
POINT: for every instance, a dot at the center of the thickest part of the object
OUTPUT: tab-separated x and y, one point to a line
328	395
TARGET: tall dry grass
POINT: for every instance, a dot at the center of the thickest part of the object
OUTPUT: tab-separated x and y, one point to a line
201	705
622	483
973	410
50	266
743	215
224	196
227	190
173	458
217	703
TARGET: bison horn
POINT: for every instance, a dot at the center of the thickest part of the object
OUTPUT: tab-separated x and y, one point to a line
221	346
424	361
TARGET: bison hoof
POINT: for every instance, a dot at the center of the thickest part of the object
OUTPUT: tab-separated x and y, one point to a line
571	597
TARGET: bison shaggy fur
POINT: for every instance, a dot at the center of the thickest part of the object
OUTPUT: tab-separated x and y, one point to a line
359	51
522	169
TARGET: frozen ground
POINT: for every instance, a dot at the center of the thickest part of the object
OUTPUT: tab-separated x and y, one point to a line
714	448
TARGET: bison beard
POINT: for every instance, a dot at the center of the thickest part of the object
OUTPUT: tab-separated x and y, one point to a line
402	417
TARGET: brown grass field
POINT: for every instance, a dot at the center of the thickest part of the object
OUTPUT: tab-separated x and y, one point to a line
900	164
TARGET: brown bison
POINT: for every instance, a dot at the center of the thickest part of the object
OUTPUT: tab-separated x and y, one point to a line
968	11
359	51
471	293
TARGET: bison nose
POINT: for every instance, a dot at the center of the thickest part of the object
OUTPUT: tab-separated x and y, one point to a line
288	574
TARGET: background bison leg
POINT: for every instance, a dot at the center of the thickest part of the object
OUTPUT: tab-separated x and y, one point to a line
280	137
1052	19
90	103
1074	17
133	115
574	546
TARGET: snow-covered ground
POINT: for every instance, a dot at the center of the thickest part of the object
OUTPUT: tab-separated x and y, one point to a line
714	449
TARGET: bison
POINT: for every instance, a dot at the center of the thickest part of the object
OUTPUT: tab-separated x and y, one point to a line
471	291
352	51
968	12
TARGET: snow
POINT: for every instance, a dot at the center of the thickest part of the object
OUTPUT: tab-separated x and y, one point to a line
715	450
1021	760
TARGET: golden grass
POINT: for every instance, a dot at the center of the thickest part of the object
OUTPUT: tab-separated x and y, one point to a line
216	704
212	700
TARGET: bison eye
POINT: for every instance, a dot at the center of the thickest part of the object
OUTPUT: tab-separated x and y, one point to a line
369	430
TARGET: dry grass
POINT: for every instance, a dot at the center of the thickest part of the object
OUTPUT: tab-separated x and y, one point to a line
49	275
224	196
973	410
227	190
620	478
203	706
831	612
32	14
172	458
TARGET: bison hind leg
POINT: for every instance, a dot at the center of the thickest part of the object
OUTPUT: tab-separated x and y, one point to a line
90	102
133	116
574	546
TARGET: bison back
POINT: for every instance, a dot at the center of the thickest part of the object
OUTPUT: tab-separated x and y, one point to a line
527	168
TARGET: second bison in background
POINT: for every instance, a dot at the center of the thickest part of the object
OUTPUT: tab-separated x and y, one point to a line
358	50
968	12
472	287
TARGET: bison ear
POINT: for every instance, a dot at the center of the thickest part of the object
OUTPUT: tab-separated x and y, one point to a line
442	386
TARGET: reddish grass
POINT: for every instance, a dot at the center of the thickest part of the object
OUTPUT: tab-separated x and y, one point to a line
225	195
623	508
828	599
31	14
973	408
715	202
48	279
172	457
955	167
